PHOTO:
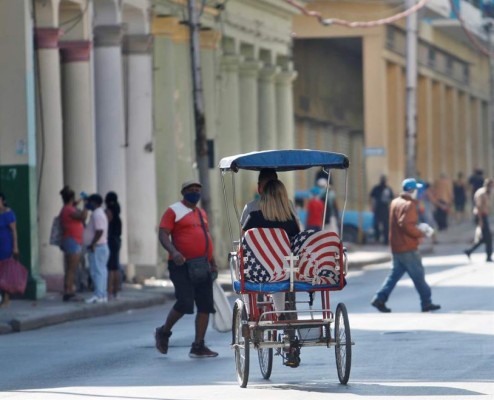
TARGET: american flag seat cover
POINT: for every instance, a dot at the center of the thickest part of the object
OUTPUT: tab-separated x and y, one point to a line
319	257
263	255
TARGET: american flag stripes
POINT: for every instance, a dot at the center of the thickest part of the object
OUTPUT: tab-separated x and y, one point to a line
263	254
319	254
264	250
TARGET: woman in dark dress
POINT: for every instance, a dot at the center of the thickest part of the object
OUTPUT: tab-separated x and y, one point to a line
114	243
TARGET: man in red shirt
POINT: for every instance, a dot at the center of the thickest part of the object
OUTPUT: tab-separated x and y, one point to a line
315	210
184	233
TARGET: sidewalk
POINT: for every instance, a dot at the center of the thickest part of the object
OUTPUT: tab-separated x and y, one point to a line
23	315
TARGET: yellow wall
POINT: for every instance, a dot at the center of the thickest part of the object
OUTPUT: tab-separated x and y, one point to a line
453	129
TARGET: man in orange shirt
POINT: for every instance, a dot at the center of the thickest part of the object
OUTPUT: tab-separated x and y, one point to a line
184	233
404	238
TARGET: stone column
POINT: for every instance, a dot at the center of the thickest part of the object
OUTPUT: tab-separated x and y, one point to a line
249	121
185	124
165	115
209	55
285	120
79	140
141	168
267	108
110	119
50	150
229	138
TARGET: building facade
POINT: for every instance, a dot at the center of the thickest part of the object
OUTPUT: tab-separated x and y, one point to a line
354	81
96	94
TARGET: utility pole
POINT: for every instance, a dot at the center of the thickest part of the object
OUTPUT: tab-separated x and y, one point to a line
411	96
202	157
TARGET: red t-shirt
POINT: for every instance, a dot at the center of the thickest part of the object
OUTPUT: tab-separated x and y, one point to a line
315	212
186	230
72	228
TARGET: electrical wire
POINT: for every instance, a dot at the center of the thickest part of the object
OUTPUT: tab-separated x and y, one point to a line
471	37
392	10
78	16
357	24
78	19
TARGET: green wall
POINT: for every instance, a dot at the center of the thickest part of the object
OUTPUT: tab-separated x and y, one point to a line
17	183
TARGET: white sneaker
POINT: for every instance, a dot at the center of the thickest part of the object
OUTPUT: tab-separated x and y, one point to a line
96	299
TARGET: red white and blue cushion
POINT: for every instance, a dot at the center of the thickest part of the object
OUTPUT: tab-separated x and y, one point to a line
263	255
319	255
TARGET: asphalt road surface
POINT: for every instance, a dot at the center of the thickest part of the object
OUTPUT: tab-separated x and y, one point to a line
406	354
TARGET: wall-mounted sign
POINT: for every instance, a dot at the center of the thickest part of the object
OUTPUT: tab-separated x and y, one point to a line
21	147
374	151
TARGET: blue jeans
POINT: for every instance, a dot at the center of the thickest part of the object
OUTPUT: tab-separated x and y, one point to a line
411	263
97	268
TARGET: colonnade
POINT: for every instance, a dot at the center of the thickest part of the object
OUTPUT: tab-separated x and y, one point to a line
453	133
88	138
249	107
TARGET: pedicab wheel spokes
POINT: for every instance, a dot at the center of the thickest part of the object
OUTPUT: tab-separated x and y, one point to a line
343	347
266	356
241	344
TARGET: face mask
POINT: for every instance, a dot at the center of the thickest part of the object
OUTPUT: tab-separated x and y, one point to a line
414	194
192	197
89	207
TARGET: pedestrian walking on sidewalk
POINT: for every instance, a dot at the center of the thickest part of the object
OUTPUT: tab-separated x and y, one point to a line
8	240
404	239
96	240
481	212
184	233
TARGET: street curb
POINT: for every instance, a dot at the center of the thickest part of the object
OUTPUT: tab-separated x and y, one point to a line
86	311
363	263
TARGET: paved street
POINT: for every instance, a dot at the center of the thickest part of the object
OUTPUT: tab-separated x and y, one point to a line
403	354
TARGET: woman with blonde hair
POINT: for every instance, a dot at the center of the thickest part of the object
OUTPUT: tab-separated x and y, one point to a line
275	210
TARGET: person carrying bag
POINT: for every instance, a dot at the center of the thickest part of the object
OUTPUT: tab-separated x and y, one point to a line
184	235
199	269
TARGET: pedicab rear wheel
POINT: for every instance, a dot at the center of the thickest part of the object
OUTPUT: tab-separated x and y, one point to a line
266	356
343	347
241	343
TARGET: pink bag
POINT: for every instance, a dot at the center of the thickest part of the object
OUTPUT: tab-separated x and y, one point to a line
13	276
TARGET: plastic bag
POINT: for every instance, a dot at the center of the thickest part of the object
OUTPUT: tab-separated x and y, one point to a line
13	276
222	318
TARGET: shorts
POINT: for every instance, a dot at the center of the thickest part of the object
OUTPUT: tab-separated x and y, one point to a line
187	293
70	246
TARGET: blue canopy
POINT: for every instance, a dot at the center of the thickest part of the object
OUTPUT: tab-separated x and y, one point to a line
284	160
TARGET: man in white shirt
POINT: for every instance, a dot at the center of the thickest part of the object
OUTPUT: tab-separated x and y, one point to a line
95	238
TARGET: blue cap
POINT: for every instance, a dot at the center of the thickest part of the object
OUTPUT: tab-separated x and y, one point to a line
315	190
410	184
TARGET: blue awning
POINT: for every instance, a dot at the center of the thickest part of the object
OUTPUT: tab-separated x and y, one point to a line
284	160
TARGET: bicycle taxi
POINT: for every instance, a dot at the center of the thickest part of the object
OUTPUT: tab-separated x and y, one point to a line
314	263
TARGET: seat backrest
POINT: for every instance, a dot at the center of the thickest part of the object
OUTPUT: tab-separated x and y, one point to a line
320	257
263	253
